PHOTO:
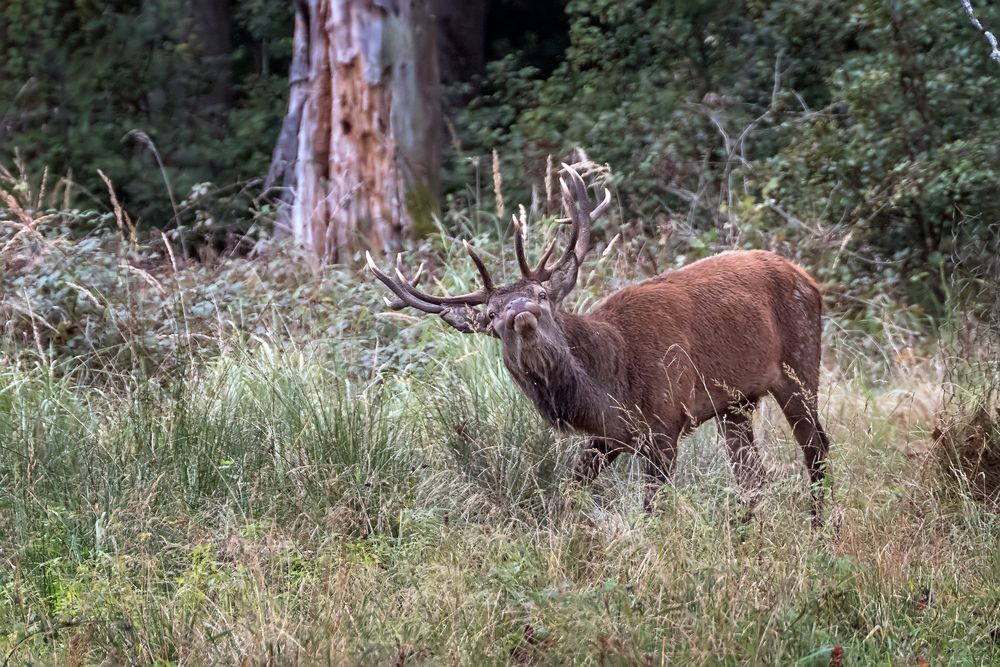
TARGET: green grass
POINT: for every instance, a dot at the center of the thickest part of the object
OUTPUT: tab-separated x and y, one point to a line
249	465
272	504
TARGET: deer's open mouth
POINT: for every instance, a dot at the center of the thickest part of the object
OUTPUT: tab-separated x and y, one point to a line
525	324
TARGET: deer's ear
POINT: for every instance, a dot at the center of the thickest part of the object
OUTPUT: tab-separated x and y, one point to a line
483	324
487	328
563	280
465	318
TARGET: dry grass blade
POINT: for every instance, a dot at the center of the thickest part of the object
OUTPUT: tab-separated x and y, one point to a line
498	185
121	217
24	227
15	208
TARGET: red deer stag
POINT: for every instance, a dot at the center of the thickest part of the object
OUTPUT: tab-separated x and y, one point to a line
655	359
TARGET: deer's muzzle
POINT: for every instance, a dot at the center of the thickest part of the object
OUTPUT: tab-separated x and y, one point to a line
522	316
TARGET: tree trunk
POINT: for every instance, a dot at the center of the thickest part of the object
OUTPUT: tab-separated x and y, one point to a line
461	38
213	45
359	150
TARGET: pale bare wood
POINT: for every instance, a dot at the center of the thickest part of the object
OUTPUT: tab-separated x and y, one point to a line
359	152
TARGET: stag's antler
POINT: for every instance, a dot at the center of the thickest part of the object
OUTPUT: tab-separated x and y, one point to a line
463	318
581	217
522	259
459	311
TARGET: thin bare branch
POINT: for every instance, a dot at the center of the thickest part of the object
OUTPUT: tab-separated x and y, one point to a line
990	37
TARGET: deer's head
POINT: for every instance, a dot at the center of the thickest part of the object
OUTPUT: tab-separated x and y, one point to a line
523	314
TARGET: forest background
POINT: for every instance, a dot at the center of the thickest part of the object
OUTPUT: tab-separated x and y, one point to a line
217	448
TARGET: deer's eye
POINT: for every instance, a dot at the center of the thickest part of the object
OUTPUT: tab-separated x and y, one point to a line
492	315
542	295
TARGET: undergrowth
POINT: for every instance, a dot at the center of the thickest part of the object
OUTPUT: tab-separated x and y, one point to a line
250	461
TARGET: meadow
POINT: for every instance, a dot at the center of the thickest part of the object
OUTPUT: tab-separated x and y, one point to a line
252	461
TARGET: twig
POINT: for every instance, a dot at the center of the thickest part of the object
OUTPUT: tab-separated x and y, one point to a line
990	37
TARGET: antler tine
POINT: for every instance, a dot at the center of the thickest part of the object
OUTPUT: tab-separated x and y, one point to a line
522	260
405	297
582	199
399	271
487	280
411	283
419	300
538	273
574	234
578	184
599	209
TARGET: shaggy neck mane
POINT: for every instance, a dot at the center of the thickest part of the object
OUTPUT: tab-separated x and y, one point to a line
574	383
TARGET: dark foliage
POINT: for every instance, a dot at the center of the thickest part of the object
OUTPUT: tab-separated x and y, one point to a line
865	127
76	78
869	123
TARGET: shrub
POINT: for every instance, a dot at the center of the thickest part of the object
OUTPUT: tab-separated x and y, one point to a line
969	442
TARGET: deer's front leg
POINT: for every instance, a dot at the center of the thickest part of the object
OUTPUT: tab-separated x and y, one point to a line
661	454
596	454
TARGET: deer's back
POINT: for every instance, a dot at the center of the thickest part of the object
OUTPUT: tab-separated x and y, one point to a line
734	319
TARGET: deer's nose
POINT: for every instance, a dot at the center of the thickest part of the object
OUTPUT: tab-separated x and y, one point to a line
522	316
522	305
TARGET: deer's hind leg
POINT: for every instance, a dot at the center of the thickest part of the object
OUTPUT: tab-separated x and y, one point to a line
736	426
799	405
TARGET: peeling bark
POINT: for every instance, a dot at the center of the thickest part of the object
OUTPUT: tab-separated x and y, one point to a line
359	153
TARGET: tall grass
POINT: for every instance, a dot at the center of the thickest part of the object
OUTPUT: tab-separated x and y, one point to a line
268	506
302	481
